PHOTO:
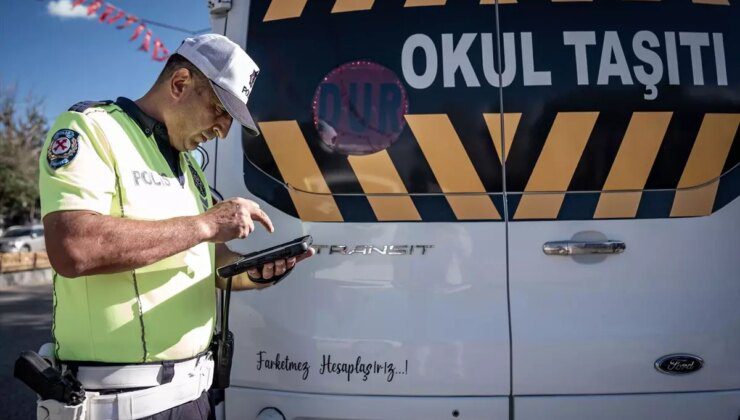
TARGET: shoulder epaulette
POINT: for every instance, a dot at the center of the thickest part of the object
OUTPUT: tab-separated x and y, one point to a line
82	106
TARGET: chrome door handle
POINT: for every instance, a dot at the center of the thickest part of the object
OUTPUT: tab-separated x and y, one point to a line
583	247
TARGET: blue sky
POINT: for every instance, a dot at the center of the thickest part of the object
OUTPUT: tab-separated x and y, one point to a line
66	60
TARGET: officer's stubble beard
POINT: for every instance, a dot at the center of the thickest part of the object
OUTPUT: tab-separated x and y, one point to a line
189	127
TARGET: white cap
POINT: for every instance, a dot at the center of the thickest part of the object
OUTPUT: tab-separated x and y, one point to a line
229	69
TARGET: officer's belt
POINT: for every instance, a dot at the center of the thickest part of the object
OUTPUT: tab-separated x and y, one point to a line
107	377
191	378
149	401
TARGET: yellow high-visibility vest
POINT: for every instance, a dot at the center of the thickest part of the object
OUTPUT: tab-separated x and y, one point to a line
101	160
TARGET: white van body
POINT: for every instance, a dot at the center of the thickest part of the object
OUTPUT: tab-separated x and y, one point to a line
431	296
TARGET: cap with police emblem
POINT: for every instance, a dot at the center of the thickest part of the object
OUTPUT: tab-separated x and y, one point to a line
229	69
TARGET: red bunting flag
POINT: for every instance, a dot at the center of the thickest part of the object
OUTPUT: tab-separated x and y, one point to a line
94	6
147	40
129	20
160	48
118	16
137	32
109	8
113	14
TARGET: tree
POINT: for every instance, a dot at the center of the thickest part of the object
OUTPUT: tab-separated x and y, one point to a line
22	134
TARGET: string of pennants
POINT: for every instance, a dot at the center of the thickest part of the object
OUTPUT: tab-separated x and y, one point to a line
111	14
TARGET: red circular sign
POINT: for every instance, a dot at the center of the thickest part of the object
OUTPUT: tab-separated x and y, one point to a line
359	108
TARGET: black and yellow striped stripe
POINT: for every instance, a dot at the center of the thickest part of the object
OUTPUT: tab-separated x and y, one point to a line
636	185
555	167
631	168
386	192
287	9
452	167
306	184
697	189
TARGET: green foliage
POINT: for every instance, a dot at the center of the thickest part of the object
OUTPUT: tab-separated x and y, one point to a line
22	132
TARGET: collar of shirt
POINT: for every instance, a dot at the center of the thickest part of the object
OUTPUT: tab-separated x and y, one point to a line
151	126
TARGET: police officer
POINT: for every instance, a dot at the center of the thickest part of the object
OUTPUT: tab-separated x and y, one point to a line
133	238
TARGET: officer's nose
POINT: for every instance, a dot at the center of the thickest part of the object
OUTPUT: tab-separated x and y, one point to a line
223	124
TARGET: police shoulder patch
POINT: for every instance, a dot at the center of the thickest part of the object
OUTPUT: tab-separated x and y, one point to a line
63	148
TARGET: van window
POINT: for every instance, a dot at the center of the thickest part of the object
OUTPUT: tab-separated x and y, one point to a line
353	131
412	119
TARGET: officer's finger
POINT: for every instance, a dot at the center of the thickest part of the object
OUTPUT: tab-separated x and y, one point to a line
268	270
254	273
291	262
279	267
306	254
249	224
262	217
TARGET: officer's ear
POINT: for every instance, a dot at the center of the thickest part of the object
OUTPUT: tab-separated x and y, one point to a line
180	81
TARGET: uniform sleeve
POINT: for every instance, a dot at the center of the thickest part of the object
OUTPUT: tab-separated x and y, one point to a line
75	171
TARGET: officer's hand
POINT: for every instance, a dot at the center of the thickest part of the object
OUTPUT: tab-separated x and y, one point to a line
278	267
233	218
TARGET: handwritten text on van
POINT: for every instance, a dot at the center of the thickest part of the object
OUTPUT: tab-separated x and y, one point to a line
357	367
655	58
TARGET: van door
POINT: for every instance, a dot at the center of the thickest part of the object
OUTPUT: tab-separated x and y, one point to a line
373	142
622	179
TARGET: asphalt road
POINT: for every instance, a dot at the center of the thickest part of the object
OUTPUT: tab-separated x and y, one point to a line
25	324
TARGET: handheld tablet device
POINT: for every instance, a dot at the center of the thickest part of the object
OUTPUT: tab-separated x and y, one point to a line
288	249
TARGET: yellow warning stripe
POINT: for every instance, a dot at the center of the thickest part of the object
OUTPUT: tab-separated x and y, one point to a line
378	175
452	167
695	201
511	122
707	158
422	3
618	204
710	149
308	189
286	9
556	164
342	6
631	167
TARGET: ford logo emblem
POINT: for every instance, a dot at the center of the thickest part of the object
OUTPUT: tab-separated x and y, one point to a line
679	364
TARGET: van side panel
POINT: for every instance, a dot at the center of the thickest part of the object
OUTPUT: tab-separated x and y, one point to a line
628	132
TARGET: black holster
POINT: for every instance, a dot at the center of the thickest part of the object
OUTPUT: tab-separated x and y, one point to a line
222	345
47	381
223	352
